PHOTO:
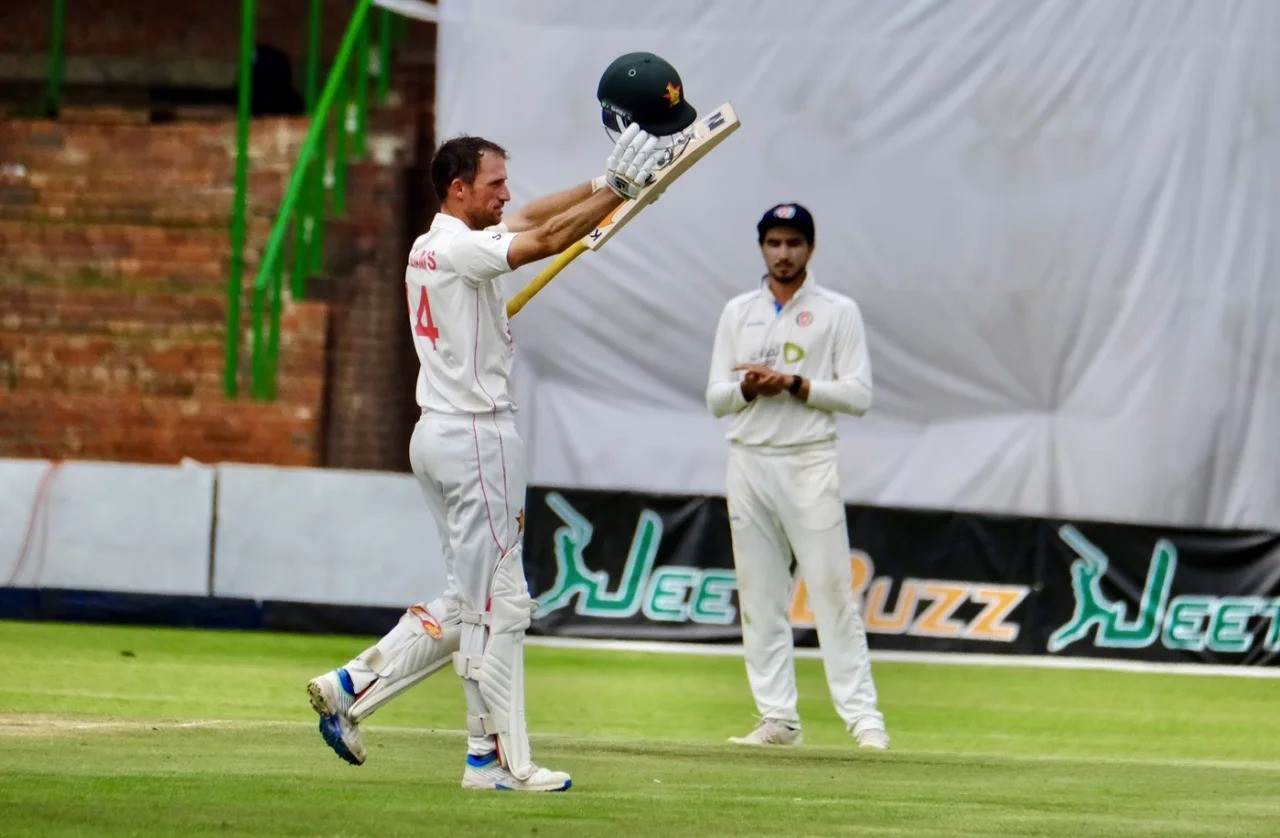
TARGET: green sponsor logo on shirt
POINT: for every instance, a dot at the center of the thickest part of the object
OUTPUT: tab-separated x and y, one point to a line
791	353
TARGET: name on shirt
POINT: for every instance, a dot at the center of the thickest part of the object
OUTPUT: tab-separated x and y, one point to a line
423	259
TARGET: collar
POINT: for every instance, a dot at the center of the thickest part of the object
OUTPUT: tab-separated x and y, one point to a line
806	289
444	221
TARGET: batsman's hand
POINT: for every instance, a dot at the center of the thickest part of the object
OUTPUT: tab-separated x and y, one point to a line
632	162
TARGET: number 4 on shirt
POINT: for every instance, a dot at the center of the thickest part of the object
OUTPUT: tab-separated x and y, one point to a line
423	325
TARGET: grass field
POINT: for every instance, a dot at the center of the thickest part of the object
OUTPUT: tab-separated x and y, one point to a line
122	731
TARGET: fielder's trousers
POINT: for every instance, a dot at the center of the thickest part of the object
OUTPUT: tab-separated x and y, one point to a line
783	503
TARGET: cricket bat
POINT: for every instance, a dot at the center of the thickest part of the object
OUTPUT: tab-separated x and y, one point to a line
708	132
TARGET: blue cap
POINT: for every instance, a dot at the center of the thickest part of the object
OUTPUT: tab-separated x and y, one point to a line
787	215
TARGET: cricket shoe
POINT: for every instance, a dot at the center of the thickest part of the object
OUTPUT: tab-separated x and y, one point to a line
485	772
332	696
771	732
874	738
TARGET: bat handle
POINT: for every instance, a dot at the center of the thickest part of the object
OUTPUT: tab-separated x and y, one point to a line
548	273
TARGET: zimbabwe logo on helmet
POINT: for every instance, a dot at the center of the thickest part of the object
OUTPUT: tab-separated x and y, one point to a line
642	88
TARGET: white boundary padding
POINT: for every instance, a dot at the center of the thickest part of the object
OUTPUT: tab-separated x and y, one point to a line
415	9
21	519
957	658
324	535
120	527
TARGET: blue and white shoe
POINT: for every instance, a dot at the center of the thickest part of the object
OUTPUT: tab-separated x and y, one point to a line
485	772
332	696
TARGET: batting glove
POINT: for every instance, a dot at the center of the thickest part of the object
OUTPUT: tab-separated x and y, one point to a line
632	162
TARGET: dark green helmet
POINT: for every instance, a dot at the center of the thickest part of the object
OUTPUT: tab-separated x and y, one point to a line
642	88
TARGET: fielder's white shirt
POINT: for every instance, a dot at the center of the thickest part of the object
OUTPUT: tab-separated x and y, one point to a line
818	334
458	317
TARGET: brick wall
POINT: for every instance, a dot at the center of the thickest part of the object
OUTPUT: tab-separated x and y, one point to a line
372	362
122	383
373	369
114	257
154	42
156	430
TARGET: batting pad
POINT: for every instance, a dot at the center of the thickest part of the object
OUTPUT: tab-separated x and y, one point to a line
499	666
417	646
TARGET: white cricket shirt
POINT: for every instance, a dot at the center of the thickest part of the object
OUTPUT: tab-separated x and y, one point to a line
819	335
458	317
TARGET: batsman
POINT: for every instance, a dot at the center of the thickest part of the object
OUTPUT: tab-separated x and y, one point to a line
465	451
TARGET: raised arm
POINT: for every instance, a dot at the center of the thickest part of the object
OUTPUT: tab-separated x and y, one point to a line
541	210
850	392
563	229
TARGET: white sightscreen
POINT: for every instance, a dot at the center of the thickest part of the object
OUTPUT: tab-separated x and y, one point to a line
1060	219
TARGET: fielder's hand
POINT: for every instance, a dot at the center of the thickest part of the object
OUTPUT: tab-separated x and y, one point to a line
760	380
632	162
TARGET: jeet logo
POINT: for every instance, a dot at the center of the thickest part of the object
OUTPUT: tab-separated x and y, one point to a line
671	593
1188	622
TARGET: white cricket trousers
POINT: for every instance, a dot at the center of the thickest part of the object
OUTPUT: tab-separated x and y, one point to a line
780	504
471	469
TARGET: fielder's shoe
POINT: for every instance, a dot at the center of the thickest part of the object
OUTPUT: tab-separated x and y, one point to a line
332	696
771	732
873	737
485	772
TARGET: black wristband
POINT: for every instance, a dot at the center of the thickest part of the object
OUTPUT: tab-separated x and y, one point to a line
794	387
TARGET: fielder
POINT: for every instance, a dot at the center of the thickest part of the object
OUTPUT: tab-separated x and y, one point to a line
469	459
787	357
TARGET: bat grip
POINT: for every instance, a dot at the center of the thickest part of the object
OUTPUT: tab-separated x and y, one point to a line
548	273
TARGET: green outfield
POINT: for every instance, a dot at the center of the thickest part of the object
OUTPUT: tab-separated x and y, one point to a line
123	731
